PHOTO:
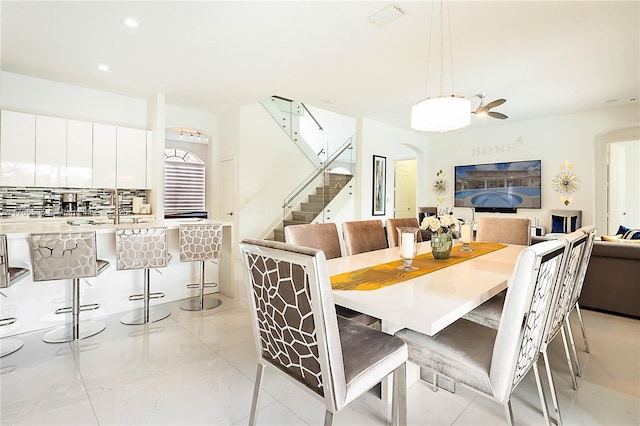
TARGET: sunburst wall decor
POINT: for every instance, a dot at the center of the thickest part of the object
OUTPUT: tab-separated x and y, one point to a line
566	182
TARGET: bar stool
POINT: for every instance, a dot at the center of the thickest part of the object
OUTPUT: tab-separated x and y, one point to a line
198	243
68	256
143	248
10	276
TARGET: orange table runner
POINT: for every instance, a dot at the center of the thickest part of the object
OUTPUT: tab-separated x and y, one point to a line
385	274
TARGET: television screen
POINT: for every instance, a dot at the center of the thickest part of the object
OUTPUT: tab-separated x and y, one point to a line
510	185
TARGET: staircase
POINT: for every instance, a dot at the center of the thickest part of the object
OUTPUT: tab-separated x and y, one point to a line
315	204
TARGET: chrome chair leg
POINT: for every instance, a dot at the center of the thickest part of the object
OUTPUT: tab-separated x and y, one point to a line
552	388
584	334
573	349
543	400
256	393
328	418
569	358
509	412
399	406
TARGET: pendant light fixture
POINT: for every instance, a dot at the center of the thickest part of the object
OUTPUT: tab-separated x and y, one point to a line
444	112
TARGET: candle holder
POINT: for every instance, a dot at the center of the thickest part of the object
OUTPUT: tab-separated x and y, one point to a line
466	236
407	247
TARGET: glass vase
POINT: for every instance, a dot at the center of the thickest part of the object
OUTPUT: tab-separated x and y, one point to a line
407	247
441	245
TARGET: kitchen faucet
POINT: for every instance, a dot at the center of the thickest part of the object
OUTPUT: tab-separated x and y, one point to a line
115	201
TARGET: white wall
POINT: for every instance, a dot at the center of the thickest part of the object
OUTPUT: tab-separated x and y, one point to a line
269	168
553	140
45	97
337	128
381	139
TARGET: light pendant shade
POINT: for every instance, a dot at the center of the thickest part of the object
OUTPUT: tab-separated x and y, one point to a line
441	114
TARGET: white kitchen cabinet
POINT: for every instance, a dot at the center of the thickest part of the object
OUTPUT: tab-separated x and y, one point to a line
131	158
104	156
51	151
79	154
17	148
149	181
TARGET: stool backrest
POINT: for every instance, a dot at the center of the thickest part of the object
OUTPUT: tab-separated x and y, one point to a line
4	262
63	255
141	248
200	241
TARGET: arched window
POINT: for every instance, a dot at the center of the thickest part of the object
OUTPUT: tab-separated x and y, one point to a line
184	181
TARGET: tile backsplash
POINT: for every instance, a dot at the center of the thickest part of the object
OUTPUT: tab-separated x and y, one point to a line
30	201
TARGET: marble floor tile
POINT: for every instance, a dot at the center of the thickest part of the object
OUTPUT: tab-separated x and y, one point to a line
198	368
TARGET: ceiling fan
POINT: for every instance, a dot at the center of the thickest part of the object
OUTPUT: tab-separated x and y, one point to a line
483	109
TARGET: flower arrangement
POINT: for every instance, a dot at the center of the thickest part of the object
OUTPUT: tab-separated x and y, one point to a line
437	225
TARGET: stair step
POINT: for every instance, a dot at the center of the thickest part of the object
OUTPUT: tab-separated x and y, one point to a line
294	222
320	199
306	217
335	177
312	207
278	235
327	190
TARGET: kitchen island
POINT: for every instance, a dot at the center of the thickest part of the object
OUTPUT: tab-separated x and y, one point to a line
33	304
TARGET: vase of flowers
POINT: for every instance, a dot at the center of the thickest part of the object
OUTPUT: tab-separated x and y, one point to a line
441	234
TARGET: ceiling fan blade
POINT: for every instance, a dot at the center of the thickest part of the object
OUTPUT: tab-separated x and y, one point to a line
498	115
495	103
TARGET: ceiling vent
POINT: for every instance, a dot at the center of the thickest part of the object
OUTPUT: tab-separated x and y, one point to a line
386	15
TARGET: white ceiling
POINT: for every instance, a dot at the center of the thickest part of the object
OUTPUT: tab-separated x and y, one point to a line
544	57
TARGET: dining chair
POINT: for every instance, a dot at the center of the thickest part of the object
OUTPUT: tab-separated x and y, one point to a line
363	236
574	305
297	331
325	237
505	230
493	362
490	312
395	223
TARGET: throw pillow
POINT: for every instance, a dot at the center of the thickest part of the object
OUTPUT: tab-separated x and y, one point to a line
622	229
618	240
631	234
563	224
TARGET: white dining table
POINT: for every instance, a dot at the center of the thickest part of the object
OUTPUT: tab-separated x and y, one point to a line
427	303
430	302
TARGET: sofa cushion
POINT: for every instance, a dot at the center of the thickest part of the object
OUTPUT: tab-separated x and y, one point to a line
619	240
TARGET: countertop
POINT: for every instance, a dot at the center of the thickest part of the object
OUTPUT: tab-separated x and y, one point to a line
99	224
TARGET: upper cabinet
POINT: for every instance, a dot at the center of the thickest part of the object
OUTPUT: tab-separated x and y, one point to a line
17	149
79	154
46	151
51	151
131	149
104	156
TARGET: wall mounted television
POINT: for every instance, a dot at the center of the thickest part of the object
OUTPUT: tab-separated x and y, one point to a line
499	187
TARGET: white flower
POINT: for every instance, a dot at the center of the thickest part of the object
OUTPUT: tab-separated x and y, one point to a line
448	221
431	222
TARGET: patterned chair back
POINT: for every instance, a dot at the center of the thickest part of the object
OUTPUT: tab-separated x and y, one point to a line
590	231
4	262
524	316
294	319
561	305
141	248
200	242
63	255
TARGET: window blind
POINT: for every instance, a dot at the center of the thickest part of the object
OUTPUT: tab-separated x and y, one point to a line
184	185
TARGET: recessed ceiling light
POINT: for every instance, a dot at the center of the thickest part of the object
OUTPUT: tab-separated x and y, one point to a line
612	101
103	67
130	22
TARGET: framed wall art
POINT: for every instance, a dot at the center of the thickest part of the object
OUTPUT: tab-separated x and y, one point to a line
379	185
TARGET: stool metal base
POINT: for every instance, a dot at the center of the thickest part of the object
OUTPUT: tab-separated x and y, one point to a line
65	333
137	317
194	304
9	346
